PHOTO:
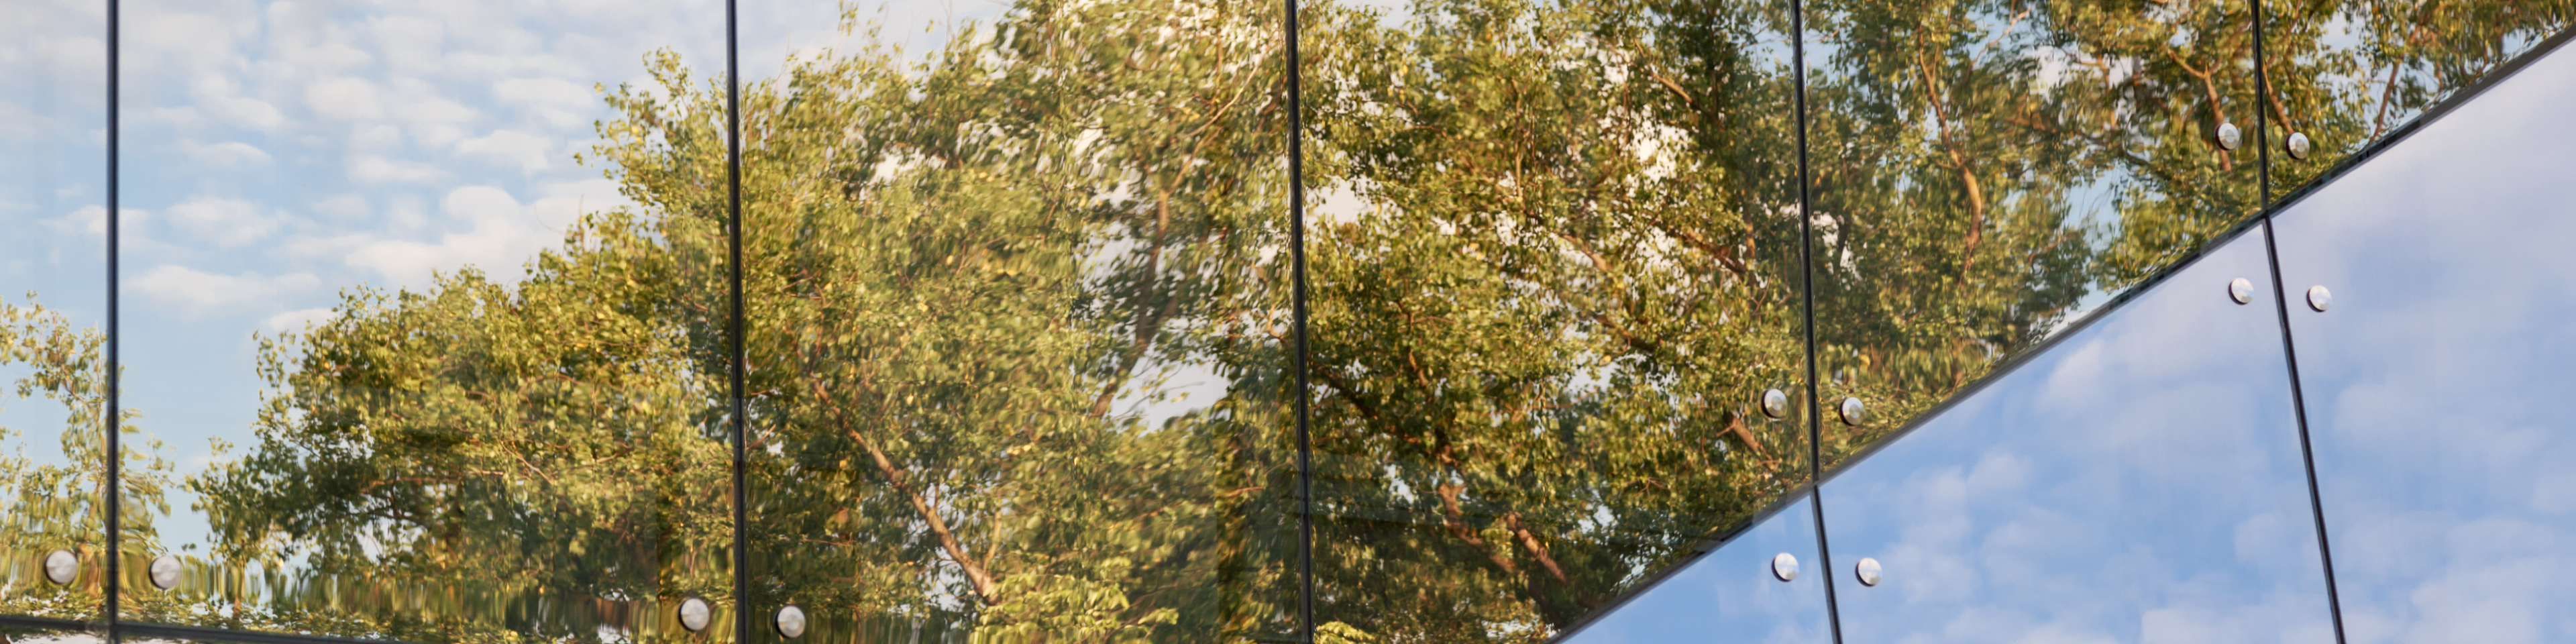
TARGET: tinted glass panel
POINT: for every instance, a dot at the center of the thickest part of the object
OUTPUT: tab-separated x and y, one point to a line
1017	292
2437	382
2346	72
53	304
2137	481
1553	260
1986	170
421	305
1733	594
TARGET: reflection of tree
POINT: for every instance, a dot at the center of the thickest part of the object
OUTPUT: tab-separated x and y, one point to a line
1536	343
57	504
1561	262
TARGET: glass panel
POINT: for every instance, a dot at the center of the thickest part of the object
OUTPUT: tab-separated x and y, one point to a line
1018	296
1984	172
1554	269
2437	381
1733	594
2344	73
53	304
422	304
2139	480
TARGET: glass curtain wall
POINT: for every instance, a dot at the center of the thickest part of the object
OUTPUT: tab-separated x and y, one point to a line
423	319
432	310
2348	73
2429	292
1985	172
1017	288
53	308
1555	303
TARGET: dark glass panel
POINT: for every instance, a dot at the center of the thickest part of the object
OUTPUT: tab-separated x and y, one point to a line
2346	73
1553	262
422	307
2137	480
53	303
1733	594
1017	288
1986	170
2437	380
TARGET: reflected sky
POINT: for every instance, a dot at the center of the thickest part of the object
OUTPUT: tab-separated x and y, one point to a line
1730	595
2137	482
2438	383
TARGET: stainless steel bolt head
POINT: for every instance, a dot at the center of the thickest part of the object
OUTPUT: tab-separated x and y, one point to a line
165	572
1866	571
1775	404
695	613
2229	137
1853	412
61	566
2319	298
791	622
2297	145
1784	566
2241	290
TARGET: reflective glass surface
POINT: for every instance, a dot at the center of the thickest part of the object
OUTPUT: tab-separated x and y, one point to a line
2345	73
2139	480
1017	286
2437	380
53	304
1733	594
1553	266
422	307
1986	170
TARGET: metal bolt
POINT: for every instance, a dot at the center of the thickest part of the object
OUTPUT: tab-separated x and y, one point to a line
61	566
165	572
2297	145
1775	403
1784	566
695	613
1853	412
1867	571
791	622
2241	290
2319	298
2228	137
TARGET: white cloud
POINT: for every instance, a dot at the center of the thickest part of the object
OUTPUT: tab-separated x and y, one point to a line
229	155
376	169
527	152
502	236
196	292
348	207
226	222
346	99
295	320
92	221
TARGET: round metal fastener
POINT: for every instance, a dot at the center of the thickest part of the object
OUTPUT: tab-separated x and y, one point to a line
1784	566
2229	137
2319	298
1853	412
2297	145
1775	404
2241	290
790	622
695	613
61	566
165	572
1866	571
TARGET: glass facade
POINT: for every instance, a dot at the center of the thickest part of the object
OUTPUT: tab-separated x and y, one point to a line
1346	321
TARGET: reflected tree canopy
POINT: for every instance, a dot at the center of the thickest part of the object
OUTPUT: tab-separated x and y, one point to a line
1017	318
